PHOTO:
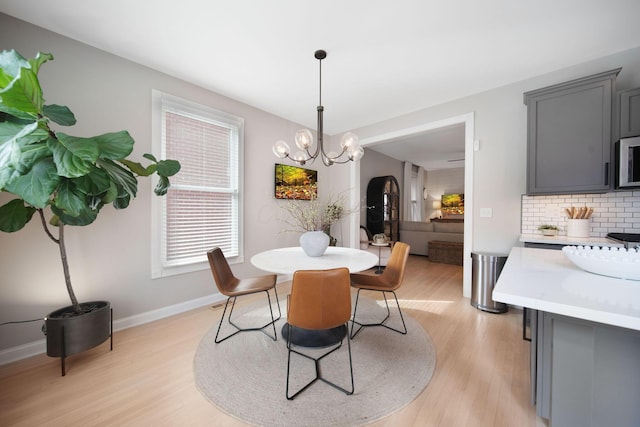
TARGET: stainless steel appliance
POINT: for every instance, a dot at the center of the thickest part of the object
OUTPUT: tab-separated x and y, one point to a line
628	162
629	240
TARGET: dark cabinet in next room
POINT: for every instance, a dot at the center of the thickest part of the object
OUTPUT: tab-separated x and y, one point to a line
383	207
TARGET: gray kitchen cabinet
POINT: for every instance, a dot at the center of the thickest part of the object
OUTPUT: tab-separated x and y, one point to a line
629	101
586	373
569	131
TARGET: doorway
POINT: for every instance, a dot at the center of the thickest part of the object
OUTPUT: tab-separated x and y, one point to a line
468	121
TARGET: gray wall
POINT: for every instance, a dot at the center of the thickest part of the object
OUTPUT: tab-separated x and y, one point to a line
439	182
499	167
110	258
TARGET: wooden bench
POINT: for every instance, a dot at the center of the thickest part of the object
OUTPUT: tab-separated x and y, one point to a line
446	252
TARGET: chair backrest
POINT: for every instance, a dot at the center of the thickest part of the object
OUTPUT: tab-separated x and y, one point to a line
393	273
222	274
320	299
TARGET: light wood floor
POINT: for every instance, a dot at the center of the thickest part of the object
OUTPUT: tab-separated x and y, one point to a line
481	376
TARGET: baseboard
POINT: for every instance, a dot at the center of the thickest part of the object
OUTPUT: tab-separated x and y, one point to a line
34	348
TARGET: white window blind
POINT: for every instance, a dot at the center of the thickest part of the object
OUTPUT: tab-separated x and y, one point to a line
202	207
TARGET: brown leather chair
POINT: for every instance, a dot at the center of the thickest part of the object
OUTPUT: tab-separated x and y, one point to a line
319	300
233	287
388	281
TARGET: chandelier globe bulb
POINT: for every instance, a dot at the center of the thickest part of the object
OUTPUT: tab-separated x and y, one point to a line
280	149
304	139
349	141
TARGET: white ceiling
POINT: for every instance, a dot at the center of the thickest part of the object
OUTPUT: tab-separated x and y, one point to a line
440	148
384	58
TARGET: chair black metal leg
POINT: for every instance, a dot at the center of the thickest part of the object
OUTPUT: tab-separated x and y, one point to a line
382	323
318	375
260	328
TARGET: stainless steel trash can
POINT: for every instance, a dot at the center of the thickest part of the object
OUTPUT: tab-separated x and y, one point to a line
485	270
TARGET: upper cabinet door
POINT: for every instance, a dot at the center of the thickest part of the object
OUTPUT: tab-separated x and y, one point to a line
629	113
569	136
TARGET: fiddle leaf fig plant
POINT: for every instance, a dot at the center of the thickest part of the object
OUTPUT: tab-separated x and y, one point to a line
66	178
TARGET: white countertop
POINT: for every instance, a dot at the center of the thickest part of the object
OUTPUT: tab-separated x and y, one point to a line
566	240
544	279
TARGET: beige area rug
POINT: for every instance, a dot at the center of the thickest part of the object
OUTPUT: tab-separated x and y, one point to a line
245	376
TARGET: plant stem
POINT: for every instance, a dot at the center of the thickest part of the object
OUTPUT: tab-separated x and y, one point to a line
63	257
46	229
65	267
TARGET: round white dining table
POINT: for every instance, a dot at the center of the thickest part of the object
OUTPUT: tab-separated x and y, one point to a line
289	260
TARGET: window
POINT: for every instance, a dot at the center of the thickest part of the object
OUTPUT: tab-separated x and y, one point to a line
203	206
414	195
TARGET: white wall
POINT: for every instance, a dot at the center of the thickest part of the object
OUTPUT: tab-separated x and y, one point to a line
110	259
439	182
499	167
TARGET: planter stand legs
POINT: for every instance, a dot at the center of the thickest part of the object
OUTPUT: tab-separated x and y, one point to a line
63	354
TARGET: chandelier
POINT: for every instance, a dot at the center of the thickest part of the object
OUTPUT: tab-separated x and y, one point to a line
351	149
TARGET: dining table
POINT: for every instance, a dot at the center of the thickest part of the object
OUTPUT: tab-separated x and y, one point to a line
287	261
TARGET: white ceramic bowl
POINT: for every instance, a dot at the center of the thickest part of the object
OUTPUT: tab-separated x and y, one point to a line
607	261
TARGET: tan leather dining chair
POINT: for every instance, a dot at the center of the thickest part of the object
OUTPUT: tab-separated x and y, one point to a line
387	282
232	287
319	300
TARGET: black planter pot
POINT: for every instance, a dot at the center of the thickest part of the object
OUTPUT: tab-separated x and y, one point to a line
70	333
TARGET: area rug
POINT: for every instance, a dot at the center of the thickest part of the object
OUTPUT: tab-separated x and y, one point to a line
245	376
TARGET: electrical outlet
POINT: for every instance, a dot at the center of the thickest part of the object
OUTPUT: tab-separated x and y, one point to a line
486	212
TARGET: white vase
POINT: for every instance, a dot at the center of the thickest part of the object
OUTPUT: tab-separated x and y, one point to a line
314	243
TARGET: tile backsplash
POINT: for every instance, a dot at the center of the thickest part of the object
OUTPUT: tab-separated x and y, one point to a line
617	212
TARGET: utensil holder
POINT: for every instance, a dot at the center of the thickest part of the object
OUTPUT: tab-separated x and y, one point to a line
577	228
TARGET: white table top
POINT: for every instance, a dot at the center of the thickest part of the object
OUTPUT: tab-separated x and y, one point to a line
544	279
289	260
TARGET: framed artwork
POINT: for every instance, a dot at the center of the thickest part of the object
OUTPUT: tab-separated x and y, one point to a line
294	182
452	204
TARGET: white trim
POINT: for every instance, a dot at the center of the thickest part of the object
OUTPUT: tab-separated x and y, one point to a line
160	100
468	120
34	348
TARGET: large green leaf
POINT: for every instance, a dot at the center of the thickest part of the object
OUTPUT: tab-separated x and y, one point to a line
94	183
73	156
40	59
15	215
36	186
122	202
86	217
39	134
69	200
22	96
124	180
115	145
162	187
137	167
163	167
32	153
168	167
111	194
10	64
10	151
59	114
